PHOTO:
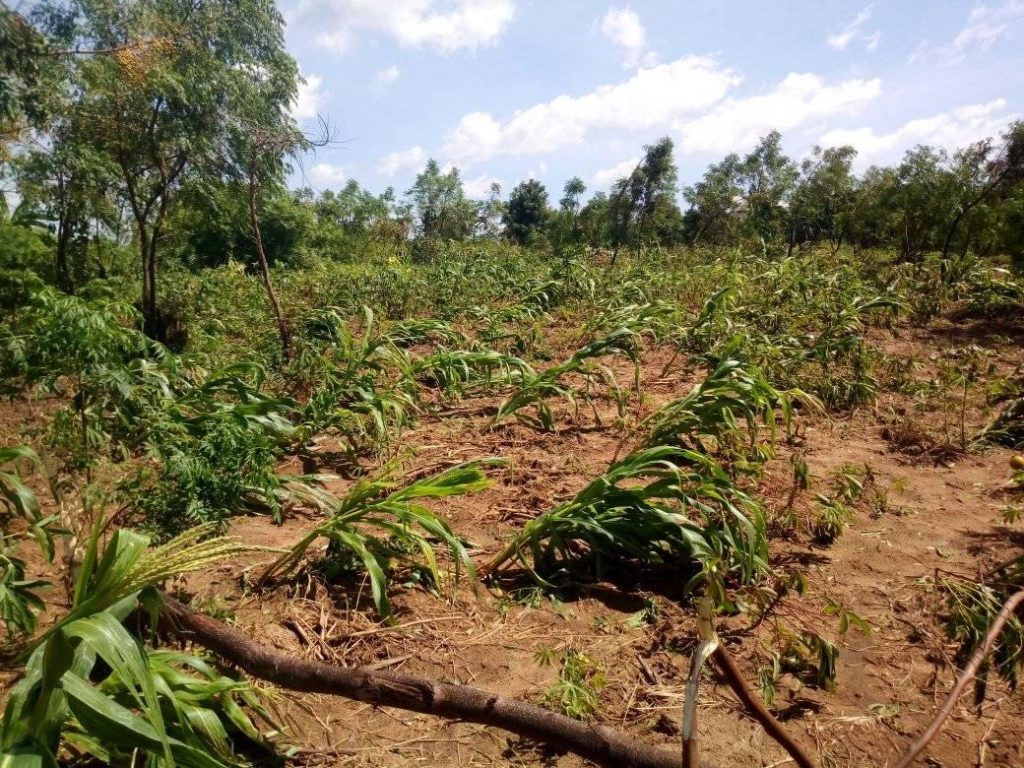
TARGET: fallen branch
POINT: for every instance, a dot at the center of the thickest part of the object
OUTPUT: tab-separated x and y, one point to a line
599	744
968	675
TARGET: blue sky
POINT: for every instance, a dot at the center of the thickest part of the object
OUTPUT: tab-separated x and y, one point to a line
512	89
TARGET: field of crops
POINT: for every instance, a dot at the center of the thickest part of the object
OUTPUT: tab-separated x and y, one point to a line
557	480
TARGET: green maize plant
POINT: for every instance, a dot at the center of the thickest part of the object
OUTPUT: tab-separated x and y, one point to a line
19	603
973	606
344	375
535	391
425	330
651	319
200	705
464	370
662	506
372	508
142	706
729	408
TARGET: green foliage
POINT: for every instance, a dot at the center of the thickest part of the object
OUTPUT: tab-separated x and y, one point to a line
526	212
662	506
373	508
145	704
537	389
19	602
731	401
972	607
831	519
576	692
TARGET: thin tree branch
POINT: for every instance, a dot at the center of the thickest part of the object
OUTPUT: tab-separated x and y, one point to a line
965	678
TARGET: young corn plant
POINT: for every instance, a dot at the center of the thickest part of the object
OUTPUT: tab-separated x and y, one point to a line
664	507
144	707
19	601
725	412
376	525
462	371
537	390
651	319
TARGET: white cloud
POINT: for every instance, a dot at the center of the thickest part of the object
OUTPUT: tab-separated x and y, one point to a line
622	26
479	187
607	176
443	25
386	76
309	99
657	97
327	175
949	130
845	36
408	159
985	26
871	41
797	102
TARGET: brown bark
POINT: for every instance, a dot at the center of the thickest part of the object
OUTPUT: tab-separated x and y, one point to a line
757	709
261	255
599	744
1009	608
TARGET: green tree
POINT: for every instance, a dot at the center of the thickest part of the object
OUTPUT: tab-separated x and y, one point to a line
69	186
766	178
642	207
564	224
715	204
160	105
526	212
823	197
490	214
441	210
980	172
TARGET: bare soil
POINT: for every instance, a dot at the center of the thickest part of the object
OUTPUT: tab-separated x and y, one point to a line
930	509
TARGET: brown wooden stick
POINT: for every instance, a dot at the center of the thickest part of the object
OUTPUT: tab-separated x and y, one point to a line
965	678
756	708
599	744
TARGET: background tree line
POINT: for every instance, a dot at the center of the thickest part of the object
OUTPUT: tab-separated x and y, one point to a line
136	135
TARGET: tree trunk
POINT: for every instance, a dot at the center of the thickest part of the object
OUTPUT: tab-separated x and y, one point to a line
63	268
261	255
597	743
150	326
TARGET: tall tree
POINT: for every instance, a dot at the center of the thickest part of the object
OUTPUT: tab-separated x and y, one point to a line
526	212
490	214
442	211
715	204
980	171
823	197
644	202
766	178
69	185
160	103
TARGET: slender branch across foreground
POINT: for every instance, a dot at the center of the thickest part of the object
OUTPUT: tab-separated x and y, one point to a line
599	744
